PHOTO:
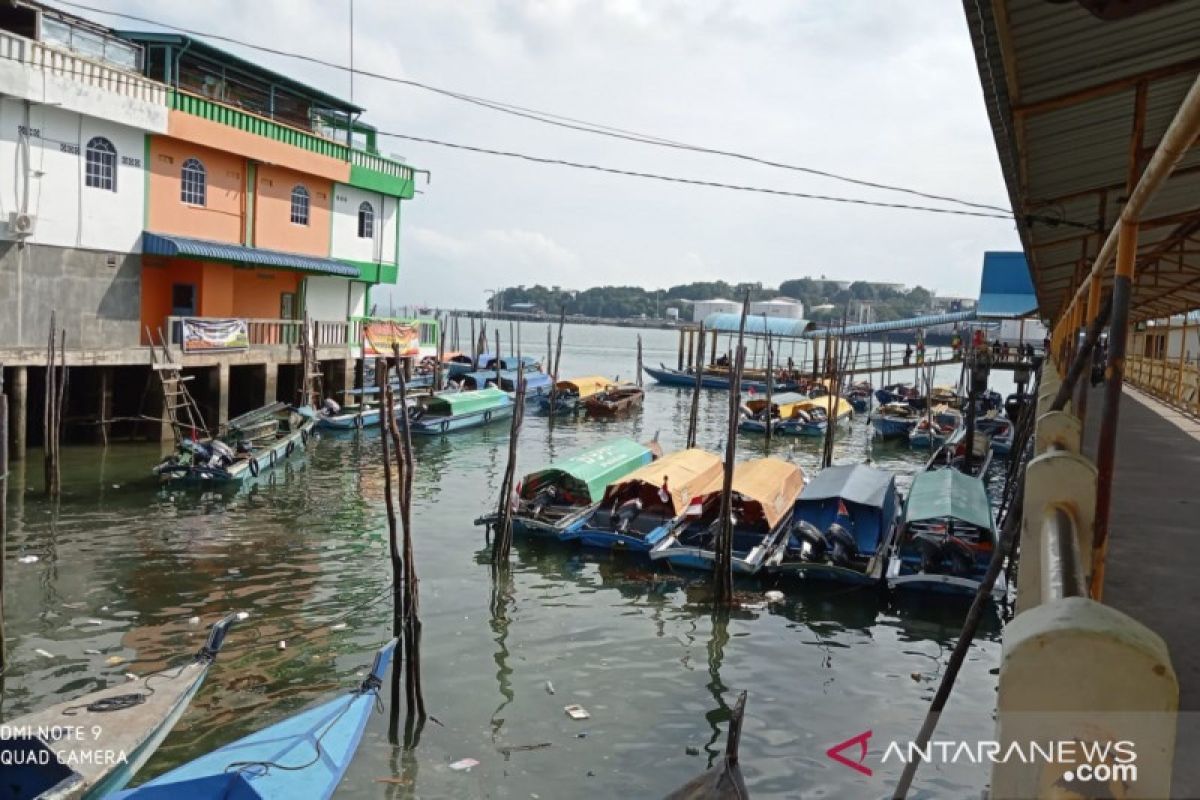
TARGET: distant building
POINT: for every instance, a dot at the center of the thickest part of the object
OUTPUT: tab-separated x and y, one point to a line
948	303
702	308
524	308
785	307
672	313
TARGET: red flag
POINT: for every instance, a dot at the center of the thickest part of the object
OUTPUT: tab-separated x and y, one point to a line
842	512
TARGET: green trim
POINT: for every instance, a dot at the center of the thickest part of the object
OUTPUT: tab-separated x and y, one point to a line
373	272
365	173
367	170
396	254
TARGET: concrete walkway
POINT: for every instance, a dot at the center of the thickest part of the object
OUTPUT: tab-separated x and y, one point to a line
1153	570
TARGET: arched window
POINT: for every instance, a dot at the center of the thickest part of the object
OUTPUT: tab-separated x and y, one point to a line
366	221
194	187
300	205
101	168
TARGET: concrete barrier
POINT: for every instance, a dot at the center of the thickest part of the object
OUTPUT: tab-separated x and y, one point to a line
1057	429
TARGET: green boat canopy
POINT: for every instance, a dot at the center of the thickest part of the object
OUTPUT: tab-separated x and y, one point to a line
586	475
948	493
452	404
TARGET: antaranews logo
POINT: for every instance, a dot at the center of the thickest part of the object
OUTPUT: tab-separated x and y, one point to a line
1083	762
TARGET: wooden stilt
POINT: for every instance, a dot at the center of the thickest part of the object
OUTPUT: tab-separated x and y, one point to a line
694	413
723	568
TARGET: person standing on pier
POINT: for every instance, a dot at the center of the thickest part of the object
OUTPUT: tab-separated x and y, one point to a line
907	354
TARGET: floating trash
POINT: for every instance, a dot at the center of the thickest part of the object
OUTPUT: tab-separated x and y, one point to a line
774	596
340	626
91	651
282	645
44	653
28	560
114	661
242	616
193	620
576	712
549	687
464	764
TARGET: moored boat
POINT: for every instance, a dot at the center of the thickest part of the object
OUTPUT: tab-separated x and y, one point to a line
711	379
843	525
892	420
647	504
433	415
253	443
568	394
859	396
304	755
1000	430
935	427
536	383
124	725
811	417
614	400
764	492
553	500
897	393
782	405
946	537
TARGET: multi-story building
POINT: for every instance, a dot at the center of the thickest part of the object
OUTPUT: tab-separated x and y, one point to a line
155	178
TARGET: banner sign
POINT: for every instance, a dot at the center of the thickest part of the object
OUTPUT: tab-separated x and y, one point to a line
380	335
214	335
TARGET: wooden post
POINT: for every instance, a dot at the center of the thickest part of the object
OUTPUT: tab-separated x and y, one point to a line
548	365
691	354
639	356
712	351
502	542
682	333
694	413
562	320
723	568
770	385
387	412
496	358
437	367
474	346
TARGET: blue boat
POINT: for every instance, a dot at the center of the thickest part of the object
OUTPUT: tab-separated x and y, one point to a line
524	363
782	406
536	383
1000	429
945	423
811	417
253	443
571	392
40	758
720	380
554	500
305	755
895	393
893	420
946	538
649	503
764	492
434	415
843	527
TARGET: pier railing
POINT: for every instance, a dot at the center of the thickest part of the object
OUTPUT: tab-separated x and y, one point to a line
286	332
1074	669
1170	379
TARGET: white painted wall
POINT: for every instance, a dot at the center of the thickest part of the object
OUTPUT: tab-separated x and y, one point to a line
45	145
345	240
1011	330
358	299
326	298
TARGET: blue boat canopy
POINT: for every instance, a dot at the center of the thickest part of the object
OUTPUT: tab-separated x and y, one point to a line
855	483
1006	288
157	244
758	325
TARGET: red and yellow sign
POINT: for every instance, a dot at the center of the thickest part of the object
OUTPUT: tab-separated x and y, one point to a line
380	335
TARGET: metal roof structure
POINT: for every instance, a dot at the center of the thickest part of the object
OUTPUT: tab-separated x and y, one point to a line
156	244
1078	103
1005	288
927	321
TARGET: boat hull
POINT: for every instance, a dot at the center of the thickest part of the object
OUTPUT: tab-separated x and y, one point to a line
892	427
292	445
671	377
439	426
830	573
611	540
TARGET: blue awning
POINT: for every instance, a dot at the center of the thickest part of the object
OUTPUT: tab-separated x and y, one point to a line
758	325
1005	288
156	244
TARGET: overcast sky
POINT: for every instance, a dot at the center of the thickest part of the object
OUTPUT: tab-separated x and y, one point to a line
877	90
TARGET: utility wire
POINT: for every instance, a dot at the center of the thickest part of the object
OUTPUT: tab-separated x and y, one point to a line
696	181
553	119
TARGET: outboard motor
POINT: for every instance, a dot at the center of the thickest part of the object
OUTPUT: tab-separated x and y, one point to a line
812	543
542	499
330	407
222	454
842	547
942	554
960	555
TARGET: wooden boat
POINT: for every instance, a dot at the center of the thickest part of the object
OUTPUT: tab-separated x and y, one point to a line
512	363
712	379
305	755
647	504
614	400
894	419
843	526
897	393
1000	431
570	392
764	492
253	443
123	725
536	383
811	417
947	536
859	396
434	415
458	363
945	396
935	427
755	417
555	499
724	780
349	418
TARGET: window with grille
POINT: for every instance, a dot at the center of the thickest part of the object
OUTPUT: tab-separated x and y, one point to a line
194	187
300	205
366	221
101	168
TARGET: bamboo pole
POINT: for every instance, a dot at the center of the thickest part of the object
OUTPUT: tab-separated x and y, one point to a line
496	357
474	346
770	385
694	412
562	320
723	568
389	501
48	470
502	542
639	356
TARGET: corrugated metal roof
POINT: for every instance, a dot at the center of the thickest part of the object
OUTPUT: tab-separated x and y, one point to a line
157	244
757	325
1060	87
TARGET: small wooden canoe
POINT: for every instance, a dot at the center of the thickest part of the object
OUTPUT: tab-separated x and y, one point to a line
92	745
305	755
614	400
724	781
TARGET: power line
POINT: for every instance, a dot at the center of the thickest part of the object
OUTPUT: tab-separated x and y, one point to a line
550	118
696	181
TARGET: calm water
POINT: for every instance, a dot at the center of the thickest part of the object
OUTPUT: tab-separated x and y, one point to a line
122	567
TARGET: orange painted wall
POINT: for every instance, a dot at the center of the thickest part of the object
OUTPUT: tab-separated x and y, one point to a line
158	275
198	130
273	226
256	293
221	219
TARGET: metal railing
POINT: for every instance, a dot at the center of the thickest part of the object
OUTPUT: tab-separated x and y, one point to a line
80	69
1173	380
285	332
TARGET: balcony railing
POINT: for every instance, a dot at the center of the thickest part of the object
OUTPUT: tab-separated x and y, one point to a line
55	61
282	332
297	137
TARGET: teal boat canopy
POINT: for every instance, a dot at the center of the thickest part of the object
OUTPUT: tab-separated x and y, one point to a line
587	475
452	404
948	493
